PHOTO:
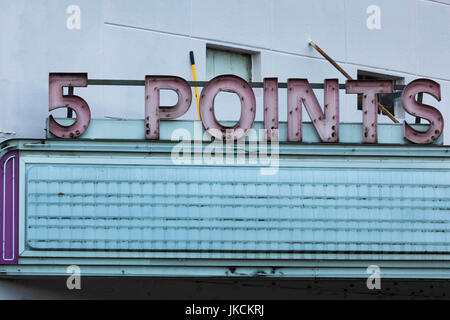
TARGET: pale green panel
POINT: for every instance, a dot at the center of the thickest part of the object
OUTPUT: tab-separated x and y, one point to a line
236	209
135	130
220	62
209	64
242	268
241	65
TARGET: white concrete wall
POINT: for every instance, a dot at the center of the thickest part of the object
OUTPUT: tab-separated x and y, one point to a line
119	39
122	39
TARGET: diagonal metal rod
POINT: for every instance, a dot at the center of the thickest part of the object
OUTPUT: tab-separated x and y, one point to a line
338	67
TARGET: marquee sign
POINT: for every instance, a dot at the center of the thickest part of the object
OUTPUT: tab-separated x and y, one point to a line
299	93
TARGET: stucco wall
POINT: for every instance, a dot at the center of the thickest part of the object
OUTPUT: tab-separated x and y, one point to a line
118	39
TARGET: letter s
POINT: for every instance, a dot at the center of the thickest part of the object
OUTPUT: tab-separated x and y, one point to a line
423	111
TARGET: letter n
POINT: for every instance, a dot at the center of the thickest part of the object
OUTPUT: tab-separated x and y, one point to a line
325	122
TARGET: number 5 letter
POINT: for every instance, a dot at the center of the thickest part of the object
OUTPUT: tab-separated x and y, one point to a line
57	81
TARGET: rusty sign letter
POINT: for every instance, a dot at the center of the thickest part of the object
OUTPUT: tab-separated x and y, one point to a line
423	111
228	83
369	89
326	123
154	112
271	108
57	99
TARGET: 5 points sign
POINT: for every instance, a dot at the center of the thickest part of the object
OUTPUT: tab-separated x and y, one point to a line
299	92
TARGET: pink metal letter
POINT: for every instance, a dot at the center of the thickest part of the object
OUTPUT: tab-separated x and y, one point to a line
423	111
271	108
229	83
57	81
369	89
154	112
326	123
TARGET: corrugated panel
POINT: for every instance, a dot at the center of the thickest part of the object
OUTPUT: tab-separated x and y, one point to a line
160	208
219	62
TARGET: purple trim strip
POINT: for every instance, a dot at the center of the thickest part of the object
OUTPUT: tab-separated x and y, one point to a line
9	208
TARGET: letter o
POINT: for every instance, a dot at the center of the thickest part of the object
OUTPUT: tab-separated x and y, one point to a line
227	83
